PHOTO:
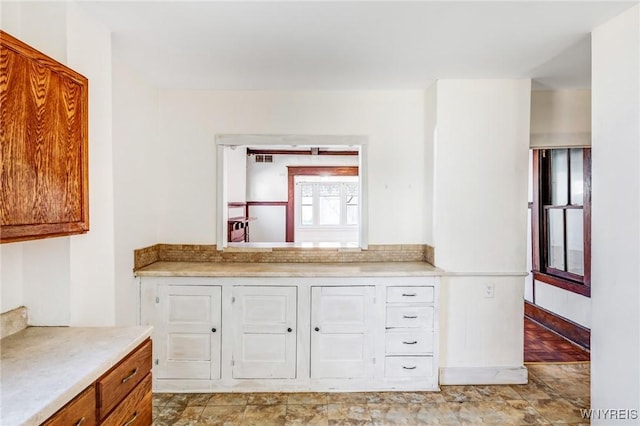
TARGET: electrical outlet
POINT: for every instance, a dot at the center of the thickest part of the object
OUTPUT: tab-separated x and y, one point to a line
489	290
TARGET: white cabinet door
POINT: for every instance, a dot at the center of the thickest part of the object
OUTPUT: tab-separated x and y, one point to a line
187	331
264	332
342	332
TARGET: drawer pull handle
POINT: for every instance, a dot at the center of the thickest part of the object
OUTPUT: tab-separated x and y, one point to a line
79	422
130	376
409	368
133	419
410	316
317	329
410	343
409	295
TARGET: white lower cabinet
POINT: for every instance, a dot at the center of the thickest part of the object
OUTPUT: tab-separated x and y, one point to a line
187	332
342	333
264	332
252	334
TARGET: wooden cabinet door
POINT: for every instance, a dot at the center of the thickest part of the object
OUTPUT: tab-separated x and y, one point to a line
264	332
342	332
43	145
187	332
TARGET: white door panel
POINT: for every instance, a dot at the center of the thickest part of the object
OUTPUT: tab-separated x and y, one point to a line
188	332
342	333
264	334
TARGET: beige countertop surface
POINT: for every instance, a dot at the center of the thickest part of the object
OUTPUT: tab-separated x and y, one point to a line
43	368
231	269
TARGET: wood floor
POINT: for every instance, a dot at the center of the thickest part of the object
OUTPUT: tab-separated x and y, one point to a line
543	345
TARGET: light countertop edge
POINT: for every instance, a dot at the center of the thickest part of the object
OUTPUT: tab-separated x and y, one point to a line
233	269
43	368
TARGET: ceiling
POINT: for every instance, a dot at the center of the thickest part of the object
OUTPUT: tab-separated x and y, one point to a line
314	45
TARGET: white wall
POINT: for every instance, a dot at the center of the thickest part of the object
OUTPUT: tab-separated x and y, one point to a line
134	182
615	331
567	304
69	280
560	118
393	121
237	176
480	221
430	131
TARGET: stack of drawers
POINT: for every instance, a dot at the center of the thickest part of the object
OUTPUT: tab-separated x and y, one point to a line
121	396
410	336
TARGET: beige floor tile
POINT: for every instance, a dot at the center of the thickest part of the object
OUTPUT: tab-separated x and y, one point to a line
302	414
394	414
307	398
161	399
267	398
198	399
220	415
557	410
436	414
228	399
460	393
349	412
346	398
264	415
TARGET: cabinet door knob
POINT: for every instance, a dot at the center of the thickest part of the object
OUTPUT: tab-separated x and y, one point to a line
317	329
213	330
289	329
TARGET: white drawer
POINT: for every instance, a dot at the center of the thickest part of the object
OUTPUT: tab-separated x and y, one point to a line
422	294
410	316
409	342
408	366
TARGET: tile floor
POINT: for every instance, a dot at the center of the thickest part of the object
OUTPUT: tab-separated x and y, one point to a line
554	396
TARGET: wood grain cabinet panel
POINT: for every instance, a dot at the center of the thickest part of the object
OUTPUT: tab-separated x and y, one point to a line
44	141
80	411
117	383
121	396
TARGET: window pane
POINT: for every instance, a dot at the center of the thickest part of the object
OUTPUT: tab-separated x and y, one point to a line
329	211
329	189
559	175
577	185
556	239
307	215
352	215
575	241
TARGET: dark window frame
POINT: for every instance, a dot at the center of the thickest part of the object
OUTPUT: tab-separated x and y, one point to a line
541	189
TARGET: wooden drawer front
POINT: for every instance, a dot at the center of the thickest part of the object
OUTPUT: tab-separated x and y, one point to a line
409	343
118	382
408	366
80	411
136	409
410	294
410	316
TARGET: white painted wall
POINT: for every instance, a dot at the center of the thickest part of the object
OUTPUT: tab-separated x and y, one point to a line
480	220
430	131
69	280
92	284
237	177
615	331
134	182
560	118
572	306
393	121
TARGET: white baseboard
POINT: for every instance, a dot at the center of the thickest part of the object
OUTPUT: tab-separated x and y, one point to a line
483	375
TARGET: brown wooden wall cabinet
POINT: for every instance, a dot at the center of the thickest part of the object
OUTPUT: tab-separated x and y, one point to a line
122	396
43	145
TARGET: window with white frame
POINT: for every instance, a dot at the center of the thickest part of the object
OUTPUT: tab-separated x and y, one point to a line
328	202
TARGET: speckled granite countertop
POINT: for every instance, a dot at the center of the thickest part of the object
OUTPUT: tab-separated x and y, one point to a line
43	368
231	269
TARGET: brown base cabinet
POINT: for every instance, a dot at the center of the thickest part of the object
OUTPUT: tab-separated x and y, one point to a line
121	396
